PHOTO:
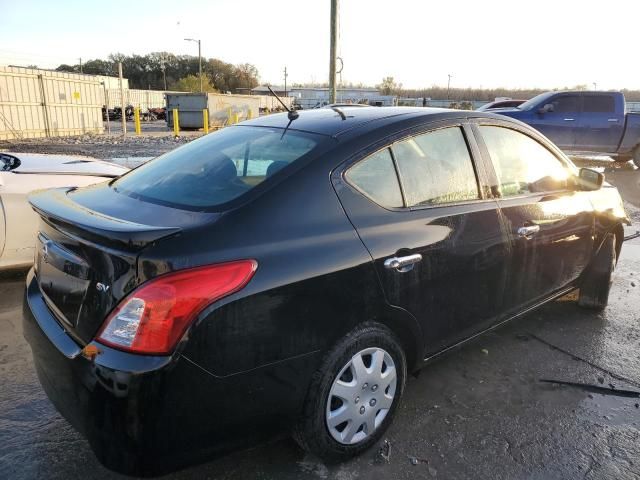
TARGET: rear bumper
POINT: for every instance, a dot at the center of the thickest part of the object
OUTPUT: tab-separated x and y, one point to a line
148	415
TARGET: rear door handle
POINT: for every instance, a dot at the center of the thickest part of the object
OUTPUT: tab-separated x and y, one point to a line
402	264
528	231
569	119
612	120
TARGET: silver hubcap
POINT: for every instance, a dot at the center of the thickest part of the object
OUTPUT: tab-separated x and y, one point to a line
361	396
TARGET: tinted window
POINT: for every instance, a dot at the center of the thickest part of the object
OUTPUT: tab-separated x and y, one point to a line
522	164
376	177
216	168
598	104
566	104
436	168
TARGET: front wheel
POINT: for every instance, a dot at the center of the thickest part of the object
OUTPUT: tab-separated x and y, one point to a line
354	395
596	284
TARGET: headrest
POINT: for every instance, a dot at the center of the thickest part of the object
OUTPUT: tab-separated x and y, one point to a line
275	166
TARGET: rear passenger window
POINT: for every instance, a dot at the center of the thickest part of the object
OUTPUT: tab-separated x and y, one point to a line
522	164
598	104
436	168
376	177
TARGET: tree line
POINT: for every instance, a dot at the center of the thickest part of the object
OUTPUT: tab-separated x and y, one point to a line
163	70
389	86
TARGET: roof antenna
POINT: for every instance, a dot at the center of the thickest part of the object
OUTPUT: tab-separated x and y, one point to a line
292	113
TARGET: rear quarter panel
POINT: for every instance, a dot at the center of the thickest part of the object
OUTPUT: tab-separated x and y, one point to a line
314	282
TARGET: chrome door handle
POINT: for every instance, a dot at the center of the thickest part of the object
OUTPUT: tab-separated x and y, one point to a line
569	119
528	231
612	120
402	264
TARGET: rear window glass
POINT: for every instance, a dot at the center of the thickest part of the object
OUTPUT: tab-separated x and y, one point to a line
217	168
599	104
376	177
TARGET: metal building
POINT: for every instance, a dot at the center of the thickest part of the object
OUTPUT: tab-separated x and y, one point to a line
222	108
44	103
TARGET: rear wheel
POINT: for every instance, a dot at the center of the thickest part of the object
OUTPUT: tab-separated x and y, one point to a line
354	394
595	287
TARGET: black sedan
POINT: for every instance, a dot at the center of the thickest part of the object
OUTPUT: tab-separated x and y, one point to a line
288	273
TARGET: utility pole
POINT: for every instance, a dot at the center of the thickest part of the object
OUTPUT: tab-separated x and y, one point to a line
200	66
199	60
80	64
285	81
333	51
164	74
448	84
106	106
123	109
595	86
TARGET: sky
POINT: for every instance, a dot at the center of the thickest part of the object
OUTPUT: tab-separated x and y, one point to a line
487	43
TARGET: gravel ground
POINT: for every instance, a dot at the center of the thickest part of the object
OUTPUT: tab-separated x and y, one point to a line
98	146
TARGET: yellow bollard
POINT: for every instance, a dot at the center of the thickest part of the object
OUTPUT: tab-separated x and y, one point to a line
229	117
176	123
205	120
136	120
236	119
249	114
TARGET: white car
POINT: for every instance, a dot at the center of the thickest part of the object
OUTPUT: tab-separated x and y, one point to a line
22	173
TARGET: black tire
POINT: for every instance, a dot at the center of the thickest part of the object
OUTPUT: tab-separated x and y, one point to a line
596	284
312	432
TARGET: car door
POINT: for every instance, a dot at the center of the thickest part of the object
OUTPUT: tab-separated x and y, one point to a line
601	125
560	124
436	241
550	225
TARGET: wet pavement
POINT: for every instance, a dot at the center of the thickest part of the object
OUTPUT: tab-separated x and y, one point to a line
480	412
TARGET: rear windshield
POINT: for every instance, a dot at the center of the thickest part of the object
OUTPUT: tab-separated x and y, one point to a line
217	168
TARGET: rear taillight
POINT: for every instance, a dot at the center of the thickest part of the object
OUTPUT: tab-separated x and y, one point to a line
154	317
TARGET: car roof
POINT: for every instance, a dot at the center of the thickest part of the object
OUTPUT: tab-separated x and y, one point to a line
336	121
67	164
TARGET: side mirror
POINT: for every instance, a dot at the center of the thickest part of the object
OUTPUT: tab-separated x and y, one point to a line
548	107
590	179
8	162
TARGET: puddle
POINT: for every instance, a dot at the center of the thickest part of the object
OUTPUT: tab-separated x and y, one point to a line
614	410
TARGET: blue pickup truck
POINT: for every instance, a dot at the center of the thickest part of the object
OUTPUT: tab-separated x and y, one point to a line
582	122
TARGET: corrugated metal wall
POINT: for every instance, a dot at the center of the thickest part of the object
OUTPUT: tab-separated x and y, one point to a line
223	108
42	103
144	99
272	103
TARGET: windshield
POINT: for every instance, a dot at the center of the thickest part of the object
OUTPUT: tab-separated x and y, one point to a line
529	104
216	168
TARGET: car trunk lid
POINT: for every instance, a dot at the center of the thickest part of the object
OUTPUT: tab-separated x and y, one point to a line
85	260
